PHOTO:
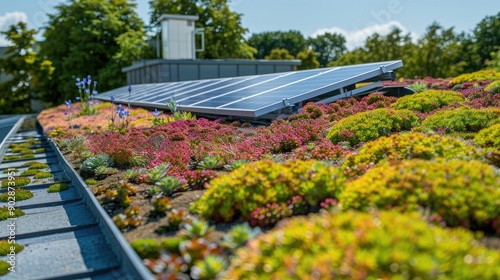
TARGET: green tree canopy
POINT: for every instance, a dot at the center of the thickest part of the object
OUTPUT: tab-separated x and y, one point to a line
328	47
24	68
223	29
265	42
485	42
279	54
91	37
393	46
439	53
308	60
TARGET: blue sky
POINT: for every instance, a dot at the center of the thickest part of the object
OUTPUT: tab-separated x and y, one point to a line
354	19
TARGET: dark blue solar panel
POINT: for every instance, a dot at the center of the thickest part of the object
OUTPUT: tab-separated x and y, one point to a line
252	95
292	90
240	95
239	86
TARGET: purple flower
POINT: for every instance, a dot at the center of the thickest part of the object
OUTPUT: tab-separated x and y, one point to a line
90	102
156	113
94	92
78	79
112	98
120	108
129	88
84	80
65	113
68	103
95	83
122	113
88	77
77	98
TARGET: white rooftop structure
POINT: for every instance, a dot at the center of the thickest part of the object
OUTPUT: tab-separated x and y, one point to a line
178	36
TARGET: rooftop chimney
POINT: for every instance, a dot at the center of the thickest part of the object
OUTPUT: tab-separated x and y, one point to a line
177	36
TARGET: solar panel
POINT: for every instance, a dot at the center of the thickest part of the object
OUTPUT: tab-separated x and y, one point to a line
258	95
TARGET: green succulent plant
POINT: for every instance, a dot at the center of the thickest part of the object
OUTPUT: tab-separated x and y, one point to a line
92	163
169	184
208	267
239	235
158	173
196	228
209	163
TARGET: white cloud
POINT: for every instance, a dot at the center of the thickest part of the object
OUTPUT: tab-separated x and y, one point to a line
358	37
9	19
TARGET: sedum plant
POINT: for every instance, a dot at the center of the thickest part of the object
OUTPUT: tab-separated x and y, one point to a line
464	119
60	187
196	228
482	75
157	173
463	193
489	137
5	213
366	126
210	163
410	146
429	100
43	175
17	182
208	268
146	248
161	206
38	165
355	245
92	163
418	87
6	247
239	235
19	194
168	185
257	184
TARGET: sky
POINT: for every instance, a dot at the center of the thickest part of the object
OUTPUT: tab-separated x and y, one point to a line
356	19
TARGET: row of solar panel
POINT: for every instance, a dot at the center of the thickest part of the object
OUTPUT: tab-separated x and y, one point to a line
259	94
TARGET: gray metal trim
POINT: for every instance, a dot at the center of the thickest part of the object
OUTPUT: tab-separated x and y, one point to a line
13	130
130	261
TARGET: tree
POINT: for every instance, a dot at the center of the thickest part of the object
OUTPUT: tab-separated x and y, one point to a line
308	59
91	37
265	42
328	47
439	53
280	54
223	29
393	46
24	67
485	42
494	63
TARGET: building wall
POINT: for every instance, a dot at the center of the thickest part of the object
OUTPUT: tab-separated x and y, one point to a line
164	71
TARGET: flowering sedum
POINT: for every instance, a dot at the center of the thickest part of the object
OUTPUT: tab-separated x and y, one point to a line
464	119
409	146
370	125
257	184
429	100
463	193
354	245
